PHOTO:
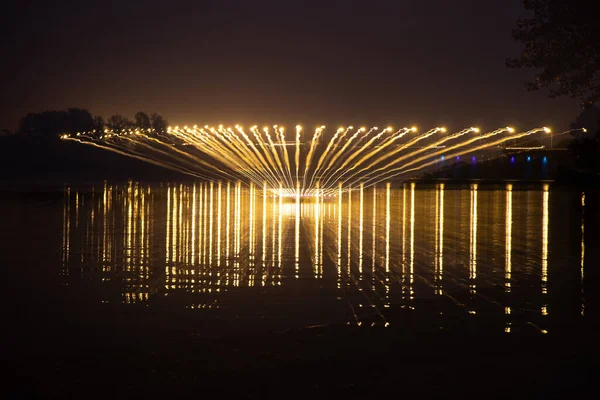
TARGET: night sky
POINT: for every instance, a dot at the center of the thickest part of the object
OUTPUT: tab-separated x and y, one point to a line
265	61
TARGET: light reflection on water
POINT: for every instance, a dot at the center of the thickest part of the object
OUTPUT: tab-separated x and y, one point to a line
444	257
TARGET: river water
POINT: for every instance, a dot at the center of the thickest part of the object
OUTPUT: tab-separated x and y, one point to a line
227	259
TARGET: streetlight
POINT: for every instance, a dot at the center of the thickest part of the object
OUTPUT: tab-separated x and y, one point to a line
549	131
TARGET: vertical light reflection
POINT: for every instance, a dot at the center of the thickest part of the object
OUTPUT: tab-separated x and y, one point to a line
349	229
374	235
237	233
317	231
339	236
404	275
508	256
142	237
437	235
473	241
200	241
128	255
204	221
387	227
387	243
105	223
273	237
252	256
251	223
440	245
412	241
360	231
228	222
194	213
210	225
184	224
168	241
280	215
508	266
321	224
297	232
264	233
111	223
219	186
149	234
180	231
76	209
67	230
582	253
545	197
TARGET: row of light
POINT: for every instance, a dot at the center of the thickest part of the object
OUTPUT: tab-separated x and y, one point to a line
276	127
340	129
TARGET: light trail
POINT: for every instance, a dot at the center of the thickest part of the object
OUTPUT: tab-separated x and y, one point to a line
352	157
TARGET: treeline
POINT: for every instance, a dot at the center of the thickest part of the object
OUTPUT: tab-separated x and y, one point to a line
51	124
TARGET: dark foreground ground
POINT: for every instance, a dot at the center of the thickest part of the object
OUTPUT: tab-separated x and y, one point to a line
52	355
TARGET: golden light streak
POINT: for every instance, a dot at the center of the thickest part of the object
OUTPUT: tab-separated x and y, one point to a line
403	170
224	152
297	158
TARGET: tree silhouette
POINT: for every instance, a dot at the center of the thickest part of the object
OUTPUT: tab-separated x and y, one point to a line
50	124
99	124
118	122
561	42
142	120
159	124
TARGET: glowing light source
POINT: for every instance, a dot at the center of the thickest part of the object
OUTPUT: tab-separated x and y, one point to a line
369	156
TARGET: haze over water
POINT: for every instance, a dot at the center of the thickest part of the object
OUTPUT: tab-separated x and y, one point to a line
231	260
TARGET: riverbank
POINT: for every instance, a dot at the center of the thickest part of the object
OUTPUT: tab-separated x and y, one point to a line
319	362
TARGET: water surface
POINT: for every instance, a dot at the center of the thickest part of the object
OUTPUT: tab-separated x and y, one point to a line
226	259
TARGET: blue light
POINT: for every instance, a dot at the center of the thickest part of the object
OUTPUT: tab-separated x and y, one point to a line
442	158
528	158
457	158
473	159
544	160
512	160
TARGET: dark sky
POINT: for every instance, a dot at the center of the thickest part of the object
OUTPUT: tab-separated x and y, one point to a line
266	61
